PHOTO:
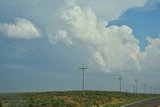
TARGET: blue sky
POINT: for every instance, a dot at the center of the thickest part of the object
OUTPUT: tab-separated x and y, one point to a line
144	23
43	43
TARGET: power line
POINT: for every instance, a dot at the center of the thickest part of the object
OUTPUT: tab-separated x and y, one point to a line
38	51
38	60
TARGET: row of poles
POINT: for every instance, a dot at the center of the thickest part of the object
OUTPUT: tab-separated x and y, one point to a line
156	90
120	78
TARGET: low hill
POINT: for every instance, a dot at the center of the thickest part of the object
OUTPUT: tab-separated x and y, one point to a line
70	99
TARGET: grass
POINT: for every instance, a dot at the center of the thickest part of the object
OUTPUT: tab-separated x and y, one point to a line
70	99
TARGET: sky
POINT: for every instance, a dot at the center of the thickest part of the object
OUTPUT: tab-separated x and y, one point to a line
43	43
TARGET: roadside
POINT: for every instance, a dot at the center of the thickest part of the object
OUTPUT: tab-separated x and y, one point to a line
155	101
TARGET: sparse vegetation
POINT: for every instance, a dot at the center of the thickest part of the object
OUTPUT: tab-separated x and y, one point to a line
69	99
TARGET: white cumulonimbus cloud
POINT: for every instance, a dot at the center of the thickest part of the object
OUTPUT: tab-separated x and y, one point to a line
22	28
111	47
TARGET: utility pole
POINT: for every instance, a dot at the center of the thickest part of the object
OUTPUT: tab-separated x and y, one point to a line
134	89
154	90
36	88
145	88
157	90
120	81
150	90
136	84
83	68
